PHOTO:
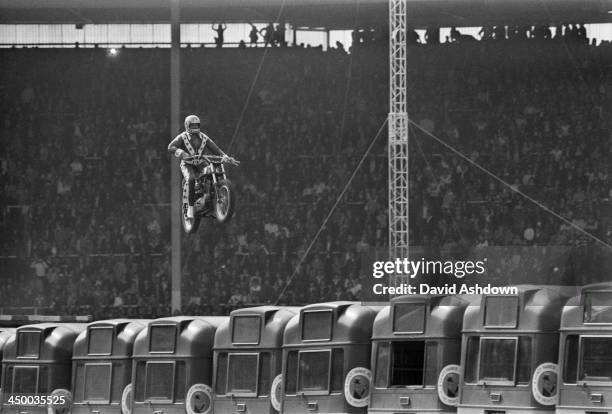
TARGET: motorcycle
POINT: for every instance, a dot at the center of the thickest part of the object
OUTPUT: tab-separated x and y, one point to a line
213	192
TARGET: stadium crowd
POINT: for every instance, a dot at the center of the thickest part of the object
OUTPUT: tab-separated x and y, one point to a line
86	183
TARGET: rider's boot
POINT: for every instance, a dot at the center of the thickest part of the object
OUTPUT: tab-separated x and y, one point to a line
190	212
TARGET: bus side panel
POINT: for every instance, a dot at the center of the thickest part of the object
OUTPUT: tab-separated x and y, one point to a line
388	400
199	371
574	398
254	405
354	356
544	348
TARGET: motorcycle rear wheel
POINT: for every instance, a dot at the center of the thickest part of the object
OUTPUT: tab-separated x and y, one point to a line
224	201
189	225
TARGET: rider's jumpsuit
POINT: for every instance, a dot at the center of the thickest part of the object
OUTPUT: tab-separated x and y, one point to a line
193	144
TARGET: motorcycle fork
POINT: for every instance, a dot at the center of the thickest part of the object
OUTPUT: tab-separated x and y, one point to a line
214	180
214	175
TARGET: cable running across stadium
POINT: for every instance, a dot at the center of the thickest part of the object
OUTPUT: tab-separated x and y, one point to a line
331	211
516	190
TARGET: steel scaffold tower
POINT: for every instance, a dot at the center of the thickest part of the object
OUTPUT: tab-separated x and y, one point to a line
398	136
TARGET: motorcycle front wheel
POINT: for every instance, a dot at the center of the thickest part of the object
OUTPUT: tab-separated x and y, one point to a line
189	225
224	201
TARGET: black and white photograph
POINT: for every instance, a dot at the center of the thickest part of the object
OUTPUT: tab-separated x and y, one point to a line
305	206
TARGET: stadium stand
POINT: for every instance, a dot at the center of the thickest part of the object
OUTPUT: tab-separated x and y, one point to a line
85	175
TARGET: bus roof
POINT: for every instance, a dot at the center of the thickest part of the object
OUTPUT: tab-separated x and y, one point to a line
332	322
108	337
534	308
43	342
179	336
270	321
429	316
5	334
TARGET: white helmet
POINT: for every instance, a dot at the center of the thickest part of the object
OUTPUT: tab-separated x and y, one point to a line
192	124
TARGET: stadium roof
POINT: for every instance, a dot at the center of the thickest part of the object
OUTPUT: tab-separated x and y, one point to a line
333	14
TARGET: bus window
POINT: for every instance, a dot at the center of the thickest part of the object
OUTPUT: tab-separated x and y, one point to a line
97	382
8	379
222	374
24	380
596	360
159	380
337	377
246	329
140	381
28	344
501	311
471	359
163	338
265	382
242	374
409	317
78	382
497	358
382	365
179	384
524	360
316	325
100	341
291	374
313	375
121	376
570	365
408	360
43	379
431	365
597	307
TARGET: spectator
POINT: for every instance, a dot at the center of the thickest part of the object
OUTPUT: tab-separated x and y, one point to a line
220	29
268	35
253	35
432	35
279	35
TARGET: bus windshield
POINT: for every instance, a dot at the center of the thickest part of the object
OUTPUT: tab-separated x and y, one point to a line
159	380
497	357
313	371
596	360
242	374
406	363
97	383
501	360
24	380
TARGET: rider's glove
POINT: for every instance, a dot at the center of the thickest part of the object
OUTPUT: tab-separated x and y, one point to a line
179	153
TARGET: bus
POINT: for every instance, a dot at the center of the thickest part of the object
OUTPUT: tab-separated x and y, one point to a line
326	359
5	334
248	360
36	368
416	351
173	364
102	366
510	346
585	354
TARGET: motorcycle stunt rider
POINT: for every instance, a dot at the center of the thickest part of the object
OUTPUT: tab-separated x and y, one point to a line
190	143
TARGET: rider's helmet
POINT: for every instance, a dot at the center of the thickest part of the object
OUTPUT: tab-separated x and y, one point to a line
192	124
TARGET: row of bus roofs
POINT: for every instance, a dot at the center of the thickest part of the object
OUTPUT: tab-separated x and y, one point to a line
548	348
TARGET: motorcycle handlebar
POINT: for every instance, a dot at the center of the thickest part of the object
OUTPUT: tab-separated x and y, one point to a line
211	159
